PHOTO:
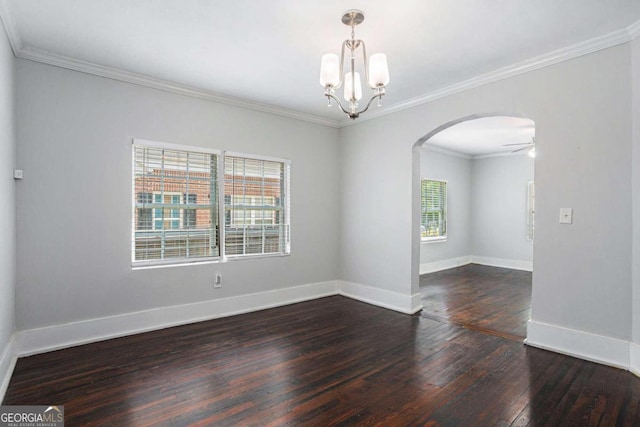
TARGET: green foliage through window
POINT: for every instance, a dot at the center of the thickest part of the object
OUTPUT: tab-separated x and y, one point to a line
433	212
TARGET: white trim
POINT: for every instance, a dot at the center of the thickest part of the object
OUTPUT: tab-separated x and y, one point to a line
173	262
514	264
634	30
444	264
171	146
50	338
589	46
404	303
634	358
501	154
8	360
551	58
435	149
580	344
55	337
6	17
433	239
61	61
257	157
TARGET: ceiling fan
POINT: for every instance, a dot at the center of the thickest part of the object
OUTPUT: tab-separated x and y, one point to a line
524	145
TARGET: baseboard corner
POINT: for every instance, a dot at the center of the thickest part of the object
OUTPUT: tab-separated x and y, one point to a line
8	359
583	345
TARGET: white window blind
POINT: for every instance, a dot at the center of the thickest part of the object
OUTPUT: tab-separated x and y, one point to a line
531	209
256	206
433	209
175	205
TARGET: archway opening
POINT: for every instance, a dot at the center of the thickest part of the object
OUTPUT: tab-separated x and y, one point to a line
474	217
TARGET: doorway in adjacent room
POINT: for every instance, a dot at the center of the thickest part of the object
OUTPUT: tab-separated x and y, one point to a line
477	224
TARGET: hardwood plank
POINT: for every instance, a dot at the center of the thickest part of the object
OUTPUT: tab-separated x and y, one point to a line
332	361
488	299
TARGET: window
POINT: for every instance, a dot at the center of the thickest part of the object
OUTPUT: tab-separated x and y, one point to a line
175	204
256	206
433	210
179	199
166	218
190	218
143	214
531	205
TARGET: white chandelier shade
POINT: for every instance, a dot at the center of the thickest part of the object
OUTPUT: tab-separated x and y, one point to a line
378	70
352	82
330	70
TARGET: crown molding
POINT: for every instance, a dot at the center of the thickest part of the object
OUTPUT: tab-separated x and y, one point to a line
634	30
593	45
570	52
50	58
446	151
6	17
500	154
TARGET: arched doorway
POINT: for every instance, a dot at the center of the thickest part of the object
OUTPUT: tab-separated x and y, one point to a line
474	204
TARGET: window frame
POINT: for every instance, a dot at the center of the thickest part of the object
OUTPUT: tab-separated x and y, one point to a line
443	237
141	264
286	206
220	206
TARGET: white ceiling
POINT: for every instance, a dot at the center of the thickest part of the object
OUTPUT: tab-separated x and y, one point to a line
485	136
269	51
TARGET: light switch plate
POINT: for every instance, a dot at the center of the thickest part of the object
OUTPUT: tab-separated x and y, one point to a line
18	174
566	215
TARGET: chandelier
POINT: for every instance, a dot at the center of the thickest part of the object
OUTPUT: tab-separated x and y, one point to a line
332	75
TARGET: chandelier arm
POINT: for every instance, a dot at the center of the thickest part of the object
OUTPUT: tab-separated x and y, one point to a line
377	95
344	45
335	98
366	63
352	114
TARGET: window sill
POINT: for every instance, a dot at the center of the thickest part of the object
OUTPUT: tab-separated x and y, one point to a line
261	256
143	266
434	239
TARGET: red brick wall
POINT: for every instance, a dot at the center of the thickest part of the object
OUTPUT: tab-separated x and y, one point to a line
175	182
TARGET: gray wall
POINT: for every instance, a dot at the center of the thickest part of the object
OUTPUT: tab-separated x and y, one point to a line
7	192
74	204
457	172
486	206
582	108
635	46
499	206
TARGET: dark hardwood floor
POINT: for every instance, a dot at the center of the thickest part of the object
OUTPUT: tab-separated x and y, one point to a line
332	361
489	299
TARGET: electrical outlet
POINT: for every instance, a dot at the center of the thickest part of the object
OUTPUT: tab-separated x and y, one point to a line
566	216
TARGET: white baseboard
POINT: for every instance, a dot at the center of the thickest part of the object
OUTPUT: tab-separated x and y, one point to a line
55	337
8	359
634	358
514	264
49	338
583	345
408	304
445	264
